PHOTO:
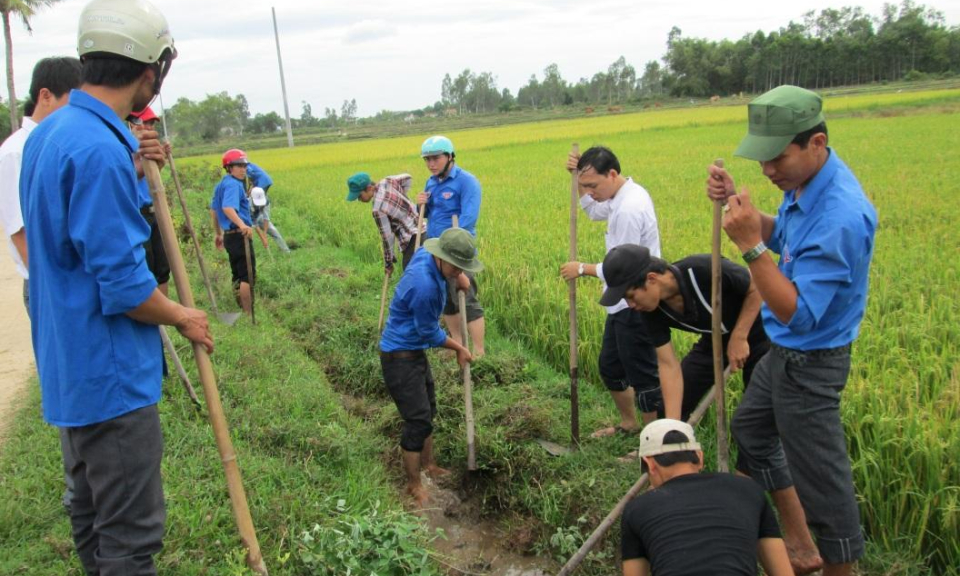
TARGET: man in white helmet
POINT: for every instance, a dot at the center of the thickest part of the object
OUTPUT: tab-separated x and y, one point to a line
95	305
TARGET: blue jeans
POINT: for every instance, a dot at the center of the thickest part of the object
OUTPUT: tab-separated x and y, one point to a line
788	428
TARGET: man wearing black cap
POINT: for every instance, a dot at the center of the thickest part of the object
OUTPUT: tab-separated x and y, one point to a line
413	327
788	424
677	296
628	361
694	524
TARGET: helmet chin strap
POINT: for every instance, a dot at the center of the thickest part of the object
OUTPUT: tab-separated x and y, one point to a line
446	168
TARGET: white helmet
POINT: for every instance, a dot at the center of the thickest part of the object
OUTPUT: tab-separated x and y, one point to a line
134	29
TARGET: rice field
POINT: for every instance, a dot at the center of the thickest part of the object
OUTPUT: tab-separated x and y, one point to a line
902	402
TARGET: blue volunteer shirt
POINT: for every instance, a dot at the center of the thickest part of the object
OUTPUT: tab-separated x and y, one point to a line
458	194
87	266
258	177
229	193
825	242
414	322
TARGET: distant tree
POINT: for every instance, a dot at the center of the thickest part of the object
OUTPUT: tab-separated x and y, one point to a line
23	9
307	119
268	123
348	111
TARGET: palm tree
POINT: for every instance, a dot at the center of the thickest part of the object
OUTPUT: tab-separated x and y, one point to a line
25	9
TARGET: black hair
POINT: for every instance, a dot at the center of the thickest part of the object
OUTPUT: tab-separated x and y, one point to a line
671	458
59	75
601	159
656	265
112	72
803	138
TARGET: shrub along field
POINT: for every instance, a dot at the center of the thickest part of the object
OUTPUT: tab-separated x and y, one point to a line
284	381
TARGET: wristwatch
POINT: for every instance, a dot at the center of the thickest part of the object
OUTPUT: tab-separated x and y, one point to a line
755	252
580	269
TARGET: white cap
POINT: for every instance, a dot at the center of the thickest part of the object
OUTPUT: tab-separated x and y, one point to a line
258	196
651	437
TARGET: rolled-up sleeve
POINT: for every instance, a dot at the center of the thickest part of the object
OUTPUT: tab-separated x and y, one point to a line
820	271
108	232
470	204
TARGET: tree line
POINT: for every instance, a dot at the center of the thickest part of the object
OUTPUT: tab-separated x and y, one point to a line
834	47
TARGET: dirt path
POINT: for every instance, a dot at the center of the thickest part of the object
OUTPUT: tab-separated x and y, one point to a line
16	352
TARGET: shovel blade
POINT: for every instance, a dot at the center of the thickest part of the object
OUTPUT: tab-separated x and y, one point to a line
553	448
229	318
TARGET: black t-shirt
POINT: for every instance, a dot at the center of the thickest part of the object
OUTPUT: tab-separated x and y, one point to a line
693	276
699	524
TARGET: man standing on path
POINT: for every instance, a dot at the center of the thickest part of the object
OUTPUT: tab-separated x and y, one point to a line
677	296
452	191
261	212
694	524
53	79
412	327
94	303
394	213
628	360
233	225
788	424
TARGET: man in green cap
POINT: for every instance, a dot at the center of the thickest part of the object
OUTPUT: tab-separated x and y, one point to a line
394	213
414	326
788	425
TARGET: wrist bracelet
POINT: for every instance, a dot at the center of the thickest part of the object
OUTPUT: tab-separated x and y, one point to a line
755	252
580	269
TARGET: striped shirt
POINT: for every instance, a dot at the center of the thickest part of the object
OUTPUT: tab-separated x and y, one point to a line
394	213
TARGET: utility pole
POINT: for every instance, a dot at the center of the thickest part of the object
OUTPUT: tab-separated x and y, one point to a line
283	84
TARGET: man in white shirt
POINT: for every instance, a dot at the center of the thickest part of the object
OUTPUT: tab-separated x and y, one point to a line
53	79
628	359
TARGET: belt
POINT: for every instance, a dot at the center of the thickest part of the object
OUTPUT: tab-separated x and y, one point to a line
232	231
402	354
804	356
147	210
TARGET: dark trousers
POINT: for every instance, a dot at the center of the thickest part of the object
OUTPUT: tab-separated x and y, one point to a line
697	367
628	359
118	509
408	252
788	426
411	386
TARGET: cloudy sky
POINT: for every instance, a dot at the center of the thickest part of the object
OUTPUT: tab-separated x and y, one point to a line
392	54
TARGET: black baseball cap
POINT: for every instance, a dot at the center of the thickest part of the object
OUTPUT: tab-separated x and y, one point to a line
623	267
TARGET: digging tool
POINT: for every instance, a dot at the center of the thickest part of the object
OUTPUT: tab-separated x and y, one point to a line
467	379
383	299
716	302
228	318
574	337
250	279
168	344
574	562
423	208
218	421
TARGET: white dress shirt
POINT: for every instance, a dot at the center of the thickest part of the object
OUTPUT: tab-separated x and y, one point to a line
630	220
11	219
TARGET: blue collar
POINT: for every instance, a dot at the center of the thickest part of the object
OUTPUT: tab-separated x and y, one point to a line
80	99
454	172
817	184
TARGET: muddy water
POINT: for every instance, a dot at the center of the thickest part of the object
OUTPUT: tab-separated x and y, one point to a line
472	545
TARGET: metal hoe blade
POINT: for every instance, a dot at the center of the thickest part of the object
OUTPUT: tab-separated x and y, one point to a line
553	448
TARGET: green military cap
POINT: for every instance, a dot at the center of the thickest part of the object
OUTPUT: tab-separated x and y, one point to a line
457	247
356	184
775	118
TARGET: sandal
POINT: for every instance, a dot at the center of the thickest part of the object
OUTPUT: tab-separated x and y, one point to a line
615	431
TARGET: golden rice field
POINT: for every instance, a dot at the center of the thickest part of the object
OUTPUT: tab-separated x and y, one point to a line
902	404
